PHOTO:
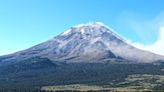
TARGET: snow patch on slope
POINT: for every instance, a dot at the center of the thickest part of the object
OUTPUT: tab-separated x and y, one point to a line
66	32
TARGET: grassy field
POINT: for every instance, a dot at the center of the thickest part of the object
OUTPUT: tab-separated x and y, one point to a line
137	82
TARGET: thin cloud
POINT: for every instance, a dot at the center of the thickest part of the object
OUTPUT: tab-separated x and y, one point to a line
157	47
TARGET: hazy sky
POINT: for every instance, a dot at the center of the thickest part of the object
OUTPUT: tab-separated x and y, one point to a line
24	23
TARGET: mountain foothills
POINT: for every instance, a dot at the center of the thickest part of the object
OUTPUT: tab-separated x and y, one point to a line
83	58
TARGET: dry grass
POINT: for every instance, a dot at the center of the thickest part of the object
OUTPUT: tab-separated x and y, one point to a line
133	83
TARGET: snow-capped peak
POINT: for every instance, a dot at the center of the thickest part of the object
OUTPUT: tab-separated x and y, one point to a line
92	28
82	27
95	26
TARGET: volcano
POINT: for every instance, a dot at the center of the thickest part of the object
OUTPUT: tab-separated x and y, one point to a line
84	54
94	42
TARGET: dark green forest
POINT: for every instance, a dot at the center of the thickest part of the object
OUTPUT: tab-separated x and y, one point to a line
31	76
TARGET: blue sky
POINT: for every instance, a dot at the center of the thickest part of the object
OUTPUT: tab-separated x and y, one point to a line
24	23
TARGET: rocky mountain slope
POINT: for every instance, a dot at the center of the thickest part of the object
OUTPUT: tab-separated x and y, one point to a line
86	43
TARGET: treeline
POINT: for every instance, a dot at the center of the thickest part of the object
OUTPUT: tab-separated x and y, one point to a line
20	90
